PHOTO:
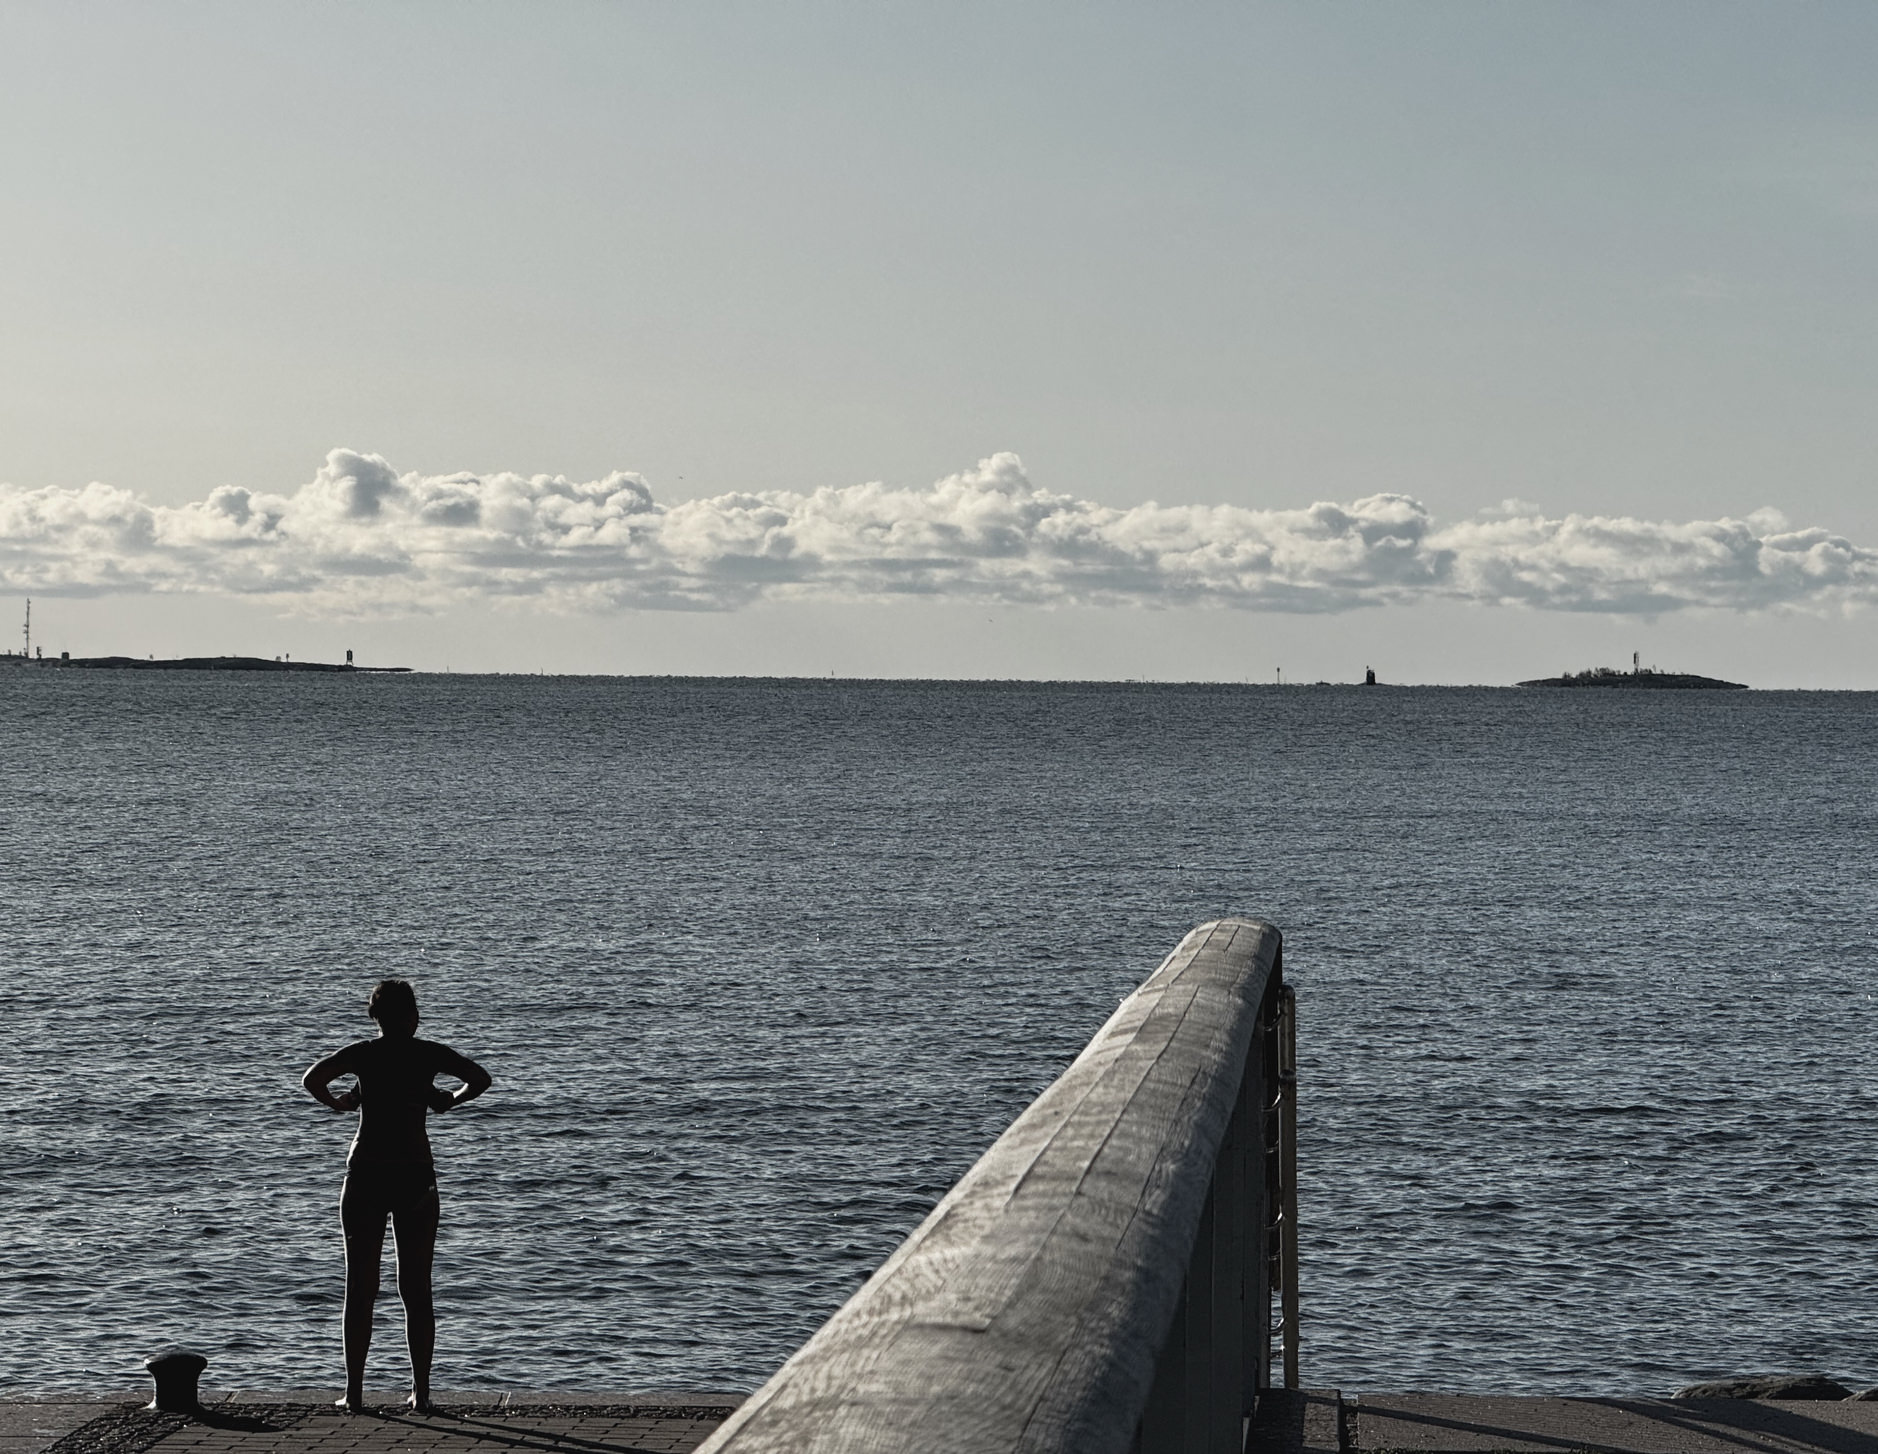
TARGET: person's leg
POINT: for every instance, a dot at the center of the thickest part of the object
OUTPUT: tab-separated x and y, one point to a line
362	1217
415	1227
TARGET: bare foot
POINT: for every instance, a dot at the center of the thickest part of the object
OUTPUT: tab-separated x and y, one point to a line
349	1405
419	1404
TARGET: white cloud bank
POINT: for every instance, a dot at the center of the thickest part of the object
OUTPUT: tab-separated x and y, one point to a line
361	537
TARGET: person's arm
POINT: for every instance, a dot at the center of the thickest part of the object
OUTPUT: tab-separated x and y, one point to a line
318	1082
475	1081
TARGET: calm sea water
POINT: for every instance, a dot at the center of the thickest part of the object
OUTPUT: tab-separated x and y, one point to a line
1586	989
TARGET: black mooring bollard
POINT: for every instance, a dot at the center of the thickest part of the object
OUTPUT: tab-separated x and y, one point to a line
176	1374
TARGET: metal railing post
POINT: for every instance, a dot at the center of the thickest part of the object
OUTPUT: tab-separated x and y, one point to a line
1288	1175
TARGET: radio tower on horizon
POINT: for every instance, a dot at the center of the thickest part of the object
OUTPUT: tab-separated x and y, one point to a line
28	653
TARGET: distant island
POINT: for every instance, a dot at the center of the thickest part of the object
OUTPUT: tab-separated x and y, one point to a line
1646	677
191	663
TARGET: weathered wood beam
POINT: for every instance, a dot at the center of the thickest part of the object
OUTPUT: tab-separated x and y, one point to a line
1028	1311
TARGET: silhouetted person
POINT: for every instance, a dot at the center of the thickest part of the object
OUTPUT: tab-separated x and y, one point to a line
389	1173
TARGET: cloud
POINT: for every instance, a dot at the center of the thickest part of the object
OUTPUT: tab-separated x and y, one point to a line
360	537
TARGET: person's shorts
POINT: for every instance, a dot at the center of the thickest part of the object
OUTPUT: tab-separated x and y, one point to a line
372	1193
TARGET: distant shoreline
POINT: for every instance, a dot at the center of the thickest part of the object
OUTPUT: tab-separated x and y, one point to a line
1656	680
192	663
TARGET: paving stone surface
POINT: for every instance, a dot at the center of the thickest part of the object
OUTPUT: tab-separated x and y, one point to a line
30	1426
1429	1423
542	1429
1316	1421
262	1424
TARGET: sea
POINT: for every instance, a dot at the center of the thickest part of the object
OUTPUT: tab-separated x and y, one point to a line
1585	979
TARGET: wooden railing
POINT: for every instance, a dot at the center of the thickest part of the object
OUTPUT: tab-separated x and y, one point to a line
1101	1281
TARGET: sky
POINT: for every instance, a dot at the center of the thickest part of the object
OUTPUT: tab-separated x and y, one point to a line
1464	342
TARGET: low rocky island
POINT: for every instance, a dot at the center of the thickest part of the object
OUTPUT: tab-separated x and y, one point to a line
1645	677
